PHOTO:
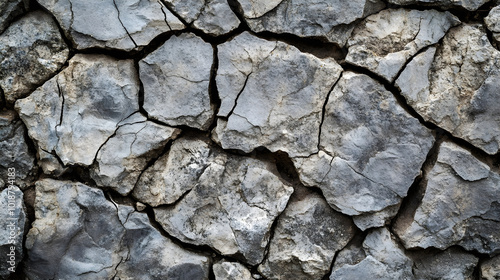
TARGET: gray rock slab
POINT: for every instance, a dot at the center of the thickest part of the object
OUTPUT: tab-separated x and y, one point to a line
225	270
10	9
492	22
470	5
490	269
450	264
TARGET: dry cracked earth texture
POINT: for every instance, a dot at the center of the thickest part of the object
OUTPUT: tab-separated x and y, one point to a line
250	139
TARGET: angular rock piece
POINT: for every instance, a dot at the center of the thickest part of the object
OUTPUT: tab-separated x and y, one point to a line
124	156
461	206
470	5
75	112
272	94
12	228
14	152
307	236
490	269
31	51
10	9
379	258
78	234
447	265
231	271
457	87
213	17
116	24
176	78
231	208
492	22
332	20
378	149
383	42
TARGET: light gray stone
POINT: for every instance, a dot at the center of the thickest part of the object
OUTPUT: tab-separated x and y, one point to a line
73	114
124	156
492	22
470	5
490	269
466	212
14	151
457	90
78	234
333	20
384	42
31	51
371	151
306	238
272	96
231	271
10	9
115	24
231	208
176	78
452	264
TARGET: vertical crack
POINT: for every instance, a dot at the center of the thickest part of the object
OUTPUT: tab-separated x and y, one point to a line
119	19
323	112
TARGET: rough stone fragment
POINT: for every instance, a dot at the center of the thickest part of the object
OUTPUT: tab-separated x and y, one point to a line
78	234
456	88
124	156
333	20
14	151
470	5
75	112
272	94
307	236
231	271
379	258
31	51
465	212
12	227
231	208
383	42
375	150
492	22
176	79
490	269
446	265
213	17
116	24
10	9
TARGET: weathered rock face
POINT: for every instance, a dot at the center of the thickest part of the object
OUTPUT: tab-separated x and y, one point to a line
459	265
490	269
371	151
492	22
124	156
176	79
306	238
14	151
73	114
31	51
455	86
465	212
331	19
383	42
470	5
231	271
10	9
79	234
230	208
123	24
272	96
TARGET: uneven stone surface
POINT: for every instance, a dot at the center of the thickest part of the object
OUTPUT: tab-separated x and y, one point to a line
490	269
79	234
492	22
272	94
331	19
10	9
14	151
459	265
371	151
75	112
31	51
124	156
231	271
231	208
123	24
383	42
470	5
465	212
306	238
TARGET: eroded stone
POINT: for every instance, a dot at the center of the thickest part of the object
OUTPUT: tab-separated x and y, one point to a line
231	271
470	5
450	264
10	9
490	269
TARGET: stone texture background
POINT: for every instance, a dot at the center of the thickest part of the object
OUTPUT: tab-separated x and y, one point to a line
250	139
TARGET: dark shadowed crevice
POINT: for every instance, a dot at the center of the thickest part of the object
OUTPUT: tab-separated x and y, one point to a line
357	240
323	112
213	91
463	14
3	102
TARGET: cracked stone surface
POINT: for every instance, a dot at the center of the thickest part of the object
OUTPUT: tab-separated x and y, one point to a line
272	95
492	22
459	265
231	271
306	238
213	17
116	24
74	113
31	51
470	5
14	151
10	9
124	156
465	212
490	269
371	151
383	42
176	81
79	234
232	206
333	20
455	86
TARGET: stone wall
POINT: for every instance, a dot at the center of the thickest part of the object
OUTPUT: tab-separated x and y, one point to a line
249	139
